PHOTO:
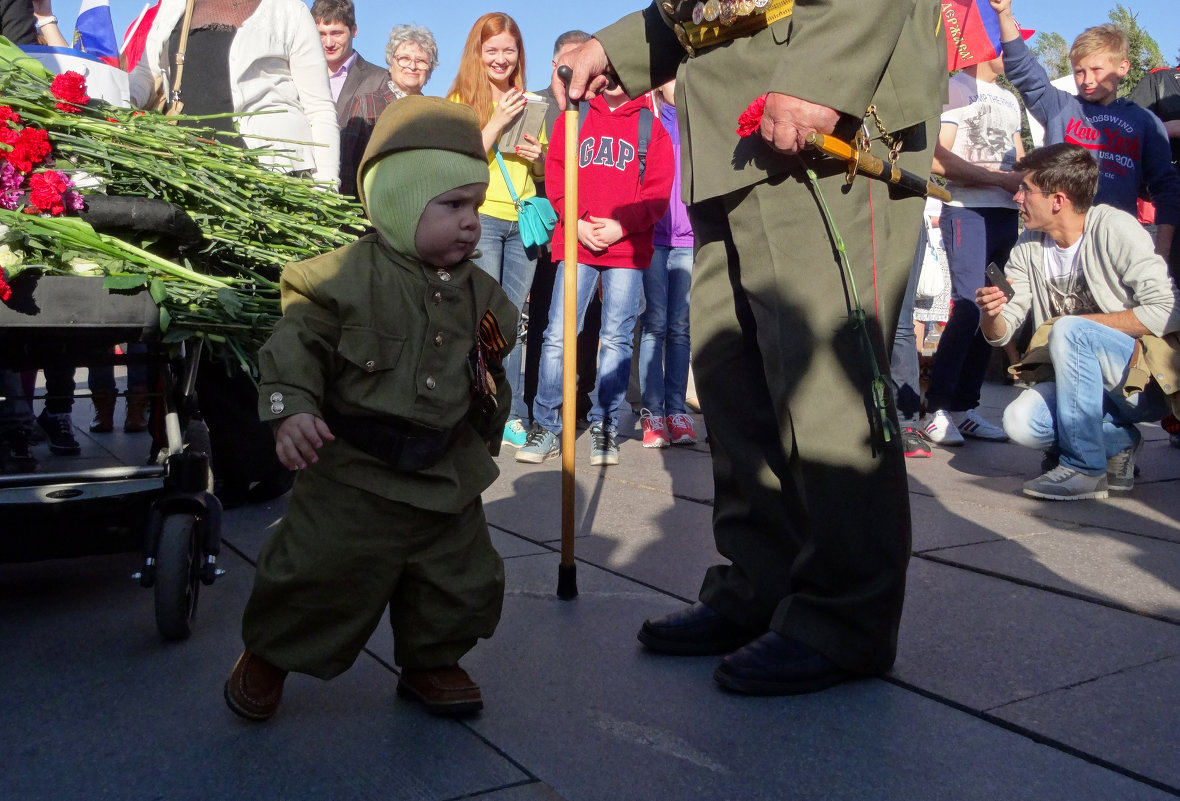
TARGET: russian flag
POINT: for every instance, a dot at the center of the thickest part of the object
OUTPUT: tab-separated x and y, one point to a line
94	31
972	33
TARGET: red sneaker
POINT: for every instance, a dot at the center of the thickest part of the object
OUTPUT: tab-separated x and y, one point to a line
655	435
680	429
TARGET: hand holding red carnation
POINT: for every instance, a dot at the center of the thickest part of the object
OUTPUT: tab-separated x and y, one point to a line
751	118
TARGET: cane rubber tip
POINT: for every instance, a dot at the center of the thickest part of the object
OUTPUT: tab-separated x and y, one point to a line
565	74
567	582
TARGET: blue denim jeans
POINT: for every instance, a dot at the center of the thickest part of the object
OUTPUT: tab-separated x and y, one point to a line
1083	413
663	343
14	409
502	255
102	376
622	290
905	367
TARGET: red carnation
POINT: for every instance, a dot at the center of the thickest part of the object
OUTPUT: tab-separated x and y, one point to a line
5	289
30	148
70	87
751	118
45	192
8	133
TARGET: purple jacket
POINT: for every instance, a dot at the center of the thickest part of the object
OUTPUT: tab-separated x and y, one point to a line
673	229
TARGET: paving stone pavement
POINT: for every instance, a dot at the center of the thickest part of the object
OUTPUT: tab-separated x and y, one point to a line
1039	659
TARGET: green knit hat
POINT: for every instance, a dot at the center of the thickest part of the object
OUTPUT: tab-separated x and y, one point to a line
399	186
421	147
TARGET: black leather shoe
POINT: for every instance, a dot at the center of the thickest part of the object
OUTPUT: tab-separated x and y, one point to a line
695	631
776	665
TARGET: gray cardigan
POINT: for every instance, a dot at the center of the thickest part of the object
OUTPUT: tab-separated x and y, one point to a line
1121	269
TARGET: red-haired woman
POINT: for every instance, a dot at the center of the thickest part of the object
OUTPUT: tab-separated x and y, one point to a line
491	81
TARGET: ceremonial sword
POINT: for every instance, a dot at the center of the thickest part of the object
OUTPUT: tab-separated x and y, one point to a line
866	163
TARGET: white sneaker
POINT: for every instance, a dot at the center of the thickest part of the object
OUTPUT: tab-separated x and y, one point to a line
941	429
972	424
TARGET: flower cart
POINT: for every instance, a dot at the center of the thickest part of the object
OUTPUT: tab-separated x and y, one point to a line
172	238
166	506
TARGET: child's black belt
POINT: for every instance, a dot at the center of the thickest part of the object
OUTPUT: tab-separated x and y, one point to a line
401	444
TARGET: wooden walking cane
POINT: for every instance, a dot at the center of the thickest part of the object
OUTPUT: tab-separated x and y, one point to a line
567	570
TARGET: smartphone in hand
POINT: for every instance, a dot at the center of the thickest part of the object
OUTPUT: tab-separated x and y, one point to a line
995	277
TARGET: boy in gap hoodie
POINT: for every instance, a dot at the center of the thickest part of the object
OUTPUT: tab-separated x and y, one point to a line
620	199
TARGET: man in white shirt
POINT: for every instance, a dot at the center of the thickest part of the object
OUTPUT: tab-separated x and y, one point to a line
1112	346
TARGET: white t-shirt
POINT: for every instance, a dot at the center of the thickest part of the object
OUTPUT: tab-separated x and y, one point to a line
987	117
1068	291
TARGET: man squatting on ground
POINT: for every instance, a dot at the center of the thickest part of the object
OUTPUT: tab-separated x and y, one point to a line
1102	299
811	505
382	379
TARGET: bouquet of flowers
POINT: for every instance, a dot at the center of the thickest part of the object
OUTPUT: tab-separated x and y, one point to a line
54	140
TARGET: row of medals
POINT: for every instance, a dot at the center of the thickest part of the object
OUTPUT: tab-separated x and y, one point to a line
727	11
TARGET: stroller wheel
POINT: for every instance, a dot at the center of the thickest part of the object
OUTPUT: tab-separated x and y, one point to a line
177	576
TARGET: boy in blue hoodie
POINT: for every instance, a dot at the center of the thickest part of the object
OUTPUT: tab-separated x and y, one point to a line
1129	143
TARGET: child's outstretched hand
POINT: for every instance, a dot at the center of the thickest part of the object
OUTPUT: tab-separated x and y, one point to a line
299	437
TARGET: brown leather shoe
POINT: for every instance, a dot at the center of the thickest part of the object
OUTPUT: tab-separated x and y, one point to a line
255	687
443	691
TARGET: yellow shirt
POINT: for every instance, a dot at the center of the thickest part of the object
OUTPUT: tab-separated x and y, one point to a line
498	203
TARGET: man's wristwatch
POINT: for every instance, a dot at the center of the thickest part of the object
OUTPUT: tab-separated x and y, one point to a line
43	21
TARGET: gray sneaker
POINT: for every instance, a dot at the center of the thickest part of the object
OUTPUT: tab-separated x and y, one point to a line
1063	484
539	445
1120	469
604	449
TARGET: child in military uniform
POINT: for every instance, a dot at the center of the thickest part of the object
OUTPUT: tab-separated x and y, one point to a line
384	383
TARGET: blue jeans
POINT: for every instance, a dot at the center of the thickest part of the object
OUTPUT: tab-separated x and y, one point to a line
972	238
904	365
14	409
102	376
1083	413
503	257
621	292
663	343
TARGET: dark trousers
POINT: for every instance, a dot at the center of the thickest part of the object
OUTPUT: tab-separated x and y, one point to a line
342	555
59	388
813	518
971	238
243	446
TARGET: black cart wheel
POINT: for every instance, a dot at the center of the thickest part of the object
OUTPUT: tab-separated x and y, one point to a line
177	576
196	437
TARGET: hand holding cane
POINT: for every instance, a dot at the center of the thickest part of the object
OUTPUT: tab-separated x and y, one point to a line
567	575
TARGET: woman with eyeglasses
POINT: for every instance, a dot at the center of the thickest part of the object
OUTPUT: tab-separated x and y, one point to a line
412	55
491	81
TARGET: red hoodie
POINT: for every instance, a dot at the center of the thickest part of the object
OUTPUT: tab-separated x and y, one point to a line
608	180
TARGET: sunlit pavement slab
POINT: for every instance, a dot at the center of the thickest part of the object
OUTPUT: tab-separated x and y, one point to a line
1039	659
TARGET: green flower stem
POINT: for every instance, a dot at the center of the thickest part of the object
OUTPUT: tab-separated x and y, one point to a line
883	425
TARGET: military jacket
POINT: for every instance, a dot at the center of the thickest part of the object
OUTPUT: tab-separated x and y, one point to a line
368	332
837	53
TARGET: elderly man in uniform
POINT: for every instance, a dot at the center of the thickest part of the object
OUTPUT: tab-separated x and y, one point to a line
811	502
